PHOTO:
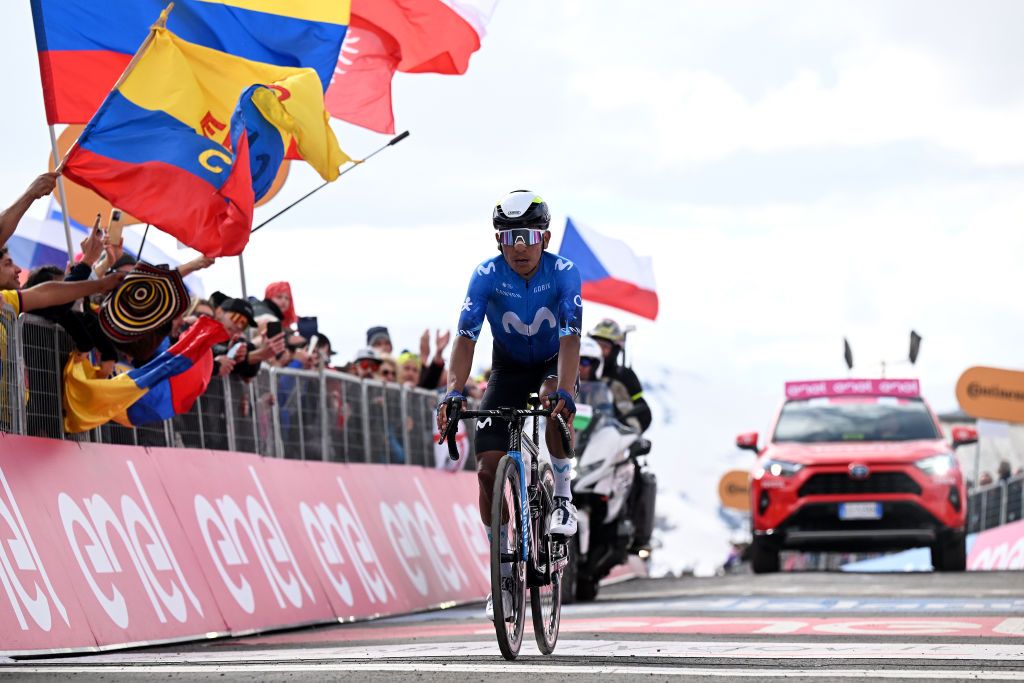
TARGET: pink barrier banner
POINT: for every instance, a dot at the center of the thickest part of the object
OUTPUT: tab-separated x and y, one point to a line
833	388
998	549
103	512
245	543
41	611
389	539
104	546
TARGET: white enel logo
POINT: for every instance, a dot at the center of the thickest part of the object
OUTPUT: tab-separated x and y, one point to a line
25	559
149	554
415	532
257	525
1000	557
467	517
325	528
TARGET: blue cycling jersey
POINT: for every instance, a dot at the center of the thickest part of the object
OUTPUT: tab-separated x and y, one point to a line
527	317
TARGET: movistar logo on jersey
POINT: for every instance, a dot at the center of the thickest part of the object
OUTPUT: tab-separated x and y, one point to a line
511	322
467	304
485	270
562	264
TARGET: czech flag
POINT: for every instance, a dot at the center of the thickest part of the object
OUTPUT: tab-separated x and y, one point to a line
158	145
412	36
166	386
612	274
85	45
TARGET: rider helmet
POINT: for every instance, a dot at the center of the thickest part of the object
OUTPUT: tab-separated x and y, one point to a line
521	209
590	349
608	330
590	353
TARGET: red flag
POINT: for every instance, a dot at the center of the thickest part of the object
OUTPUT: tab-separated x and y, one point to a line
360	91
413	36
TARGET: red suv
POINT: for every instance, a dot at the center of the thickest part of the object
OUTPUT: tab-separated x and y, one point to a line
857	465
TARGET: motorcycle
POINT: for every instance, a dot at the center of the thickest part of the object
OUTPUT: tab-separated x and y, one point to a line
614	493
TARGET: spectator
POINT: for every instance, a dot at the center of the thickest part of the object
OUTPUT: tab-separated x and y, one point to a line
46	294
201	307
388	370
11	216
430	376
409	367
1004	471
379	339
985	479
323	352
278	298
367	361
236	316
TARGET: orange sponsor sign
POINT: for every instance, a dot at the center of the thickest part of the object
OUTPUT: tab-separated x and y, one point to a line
992	394
734	489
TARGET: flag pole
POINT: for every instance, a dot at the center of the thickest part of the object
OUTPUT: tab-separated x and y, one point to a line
145	233
60	193
241	272
394	141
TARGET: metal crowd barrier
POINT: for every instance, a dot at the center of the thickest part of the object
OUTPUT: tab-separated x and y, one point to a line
282	412
995	504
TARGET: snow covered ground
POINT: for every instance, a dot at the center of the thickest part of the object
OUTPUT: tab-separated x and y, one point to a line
693	435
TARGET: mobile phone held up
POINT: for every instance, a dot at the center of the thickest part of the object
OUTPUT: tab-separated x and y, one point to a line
115	228
273	328
233	353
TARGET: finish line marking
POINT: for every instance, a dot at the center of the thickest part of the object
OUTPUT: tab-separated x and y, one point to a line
589	649
975	627
525	668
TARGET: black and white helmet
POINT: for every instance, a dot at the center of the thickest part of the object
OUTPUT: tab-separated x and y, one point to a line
521	209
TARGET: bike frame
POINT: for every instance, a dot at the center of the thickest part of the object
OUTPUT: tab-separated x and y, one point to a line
515	419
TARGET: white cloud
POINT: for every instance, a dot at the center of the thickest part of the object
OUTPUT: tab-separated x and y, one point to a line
878	94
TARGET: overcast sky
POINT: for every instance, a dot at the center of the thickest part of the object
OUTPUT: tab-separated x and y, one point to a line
800	171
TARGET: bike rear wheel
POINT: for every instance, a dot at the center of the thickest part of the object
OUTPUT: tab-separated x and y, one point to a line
546	601
506	509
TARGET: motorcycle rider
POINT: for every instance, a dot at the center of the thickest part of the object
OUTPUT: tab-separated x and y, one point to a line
630	406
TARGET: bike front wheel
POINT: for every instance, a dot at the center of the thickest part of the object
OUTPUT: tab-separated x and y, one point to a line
546	600
508	569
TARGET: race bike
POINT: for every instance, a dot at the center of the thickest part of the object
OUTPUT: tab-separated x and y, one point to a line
614	493
522	501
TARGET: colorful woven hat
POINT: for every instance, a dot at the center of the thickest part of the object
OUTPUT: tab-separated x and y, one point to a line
149	297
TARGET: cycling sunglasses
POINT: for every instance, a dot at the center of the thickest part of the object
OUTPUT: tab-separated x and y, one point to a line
527	236
587	362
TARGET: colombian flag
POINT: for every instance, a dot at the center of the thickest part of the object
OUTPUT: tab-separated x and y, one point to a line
158	147
85	45
166	386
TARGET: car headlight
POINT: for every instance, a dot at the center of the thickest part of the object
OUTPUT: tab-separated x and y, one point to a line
937	465
781	468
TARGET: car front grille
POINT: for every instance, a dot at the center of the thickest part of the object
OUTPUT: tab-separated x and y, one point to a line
840	483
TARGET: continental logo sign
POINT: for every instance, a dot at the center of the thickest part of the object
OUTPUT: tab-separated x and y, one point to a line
734	489
992	394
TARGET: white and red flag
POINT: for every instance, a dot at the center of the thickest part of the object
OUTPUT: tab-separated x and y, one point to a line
412	36
611	272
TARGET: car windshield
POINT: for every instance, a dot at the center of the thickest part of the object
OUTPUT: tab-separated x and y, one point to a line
867	419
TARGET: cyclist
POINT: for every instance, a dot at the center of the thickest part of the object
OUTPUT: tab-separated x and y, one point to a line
531	298
630	406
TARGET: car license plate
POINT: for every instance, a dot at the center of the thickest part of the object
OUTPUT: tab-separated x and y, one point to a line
860	511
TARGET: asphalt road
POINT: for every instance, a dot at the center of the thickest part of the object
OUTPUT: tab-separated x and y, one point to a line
813	626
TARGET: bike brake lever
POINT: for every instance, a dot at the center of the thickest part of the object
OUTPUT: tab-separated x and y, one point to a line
563	430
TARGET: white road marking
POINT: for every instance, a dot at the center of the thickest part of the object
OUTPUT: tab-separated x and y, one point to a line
577	648
526	668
